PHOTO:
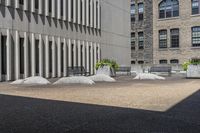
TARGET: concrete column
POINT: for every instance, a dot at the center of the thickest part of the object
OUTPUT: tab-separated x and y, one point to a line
47	56
64	10
95	14
59	9
69	53
8	2
75	53
87	57
32	5
99	52
16	3
87	12
79	53
26	57
0	59
92	57
53	9
59	57
65	58
79	11
26	5
8	50
53	57
40	7
99	10
95	57
33	65
91	13
83	12
69	10
41	56
83	56
17	56
74	10
47	8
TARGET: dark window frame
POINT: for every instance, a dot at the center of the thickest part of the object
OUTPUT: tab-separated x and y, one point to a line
168	9
175	37
196	36
162	41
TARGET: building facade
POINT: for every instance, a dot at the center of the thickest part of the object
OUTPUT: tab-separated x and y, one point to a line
44	37
176	31
141	32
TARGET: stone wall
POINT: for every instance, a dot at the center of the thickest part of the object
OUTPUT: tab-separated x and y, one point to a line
145	26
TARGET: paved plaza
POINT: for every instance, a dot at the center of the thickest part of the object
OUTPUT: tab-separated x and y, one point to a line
127	106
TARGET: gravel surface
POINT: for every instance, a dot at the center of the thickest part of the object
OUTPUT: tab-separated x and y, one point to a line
169	106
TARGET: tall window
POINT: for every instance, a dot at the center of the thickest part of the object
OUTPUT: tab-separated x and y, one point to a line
195	6
163	39
133	41
50	6
163	61
140	40
196	36
132	12
21	2
174	38
36	4
140	11
168	8
61	2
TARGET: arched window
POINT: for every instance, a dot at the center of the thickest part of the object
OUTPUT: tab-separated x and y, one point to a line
168	9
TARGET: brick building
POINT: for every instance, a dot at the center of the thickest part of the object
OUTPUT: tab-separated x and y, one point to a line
141	32
176	31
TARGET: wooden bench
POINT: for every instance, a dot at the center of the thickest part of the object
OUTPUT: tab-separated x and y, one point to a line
161	69
124	69
77	70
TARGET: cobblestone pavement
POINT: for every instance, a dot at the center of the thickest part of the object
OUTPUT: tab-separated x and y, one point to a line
127	106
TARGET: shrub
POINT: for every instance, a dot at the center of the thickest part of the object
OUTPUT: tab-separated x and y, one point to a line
192	62
107	62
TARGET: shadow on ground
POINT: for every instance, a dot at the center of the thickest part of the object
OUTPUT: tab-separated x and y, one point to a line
29	115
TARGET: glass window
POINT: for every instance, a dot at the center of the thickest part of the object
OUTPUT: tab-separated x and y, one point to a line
21	2
163	39
50	6
196	36
174	61
174	38
163	61
140	40
36	4
133	41
132	12
168	9
195	6
140	11
61	1
132	62
140	62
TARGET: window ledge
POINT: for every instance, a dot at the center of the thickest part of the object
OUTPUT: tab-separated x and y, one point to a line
164	19
177	48
162	49
195	15
195	47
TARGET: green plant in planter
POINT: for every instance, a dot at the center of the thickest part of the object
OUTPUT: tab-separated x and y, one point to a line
107	62
192	62
185	65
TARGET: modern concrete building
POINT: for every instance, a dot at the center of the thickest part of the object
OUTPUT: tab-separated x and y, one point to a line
141	32
176	31
44	37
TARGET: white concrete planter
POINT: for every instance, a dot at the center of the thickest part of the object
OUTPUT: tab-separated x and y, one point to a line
106	70
193	71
